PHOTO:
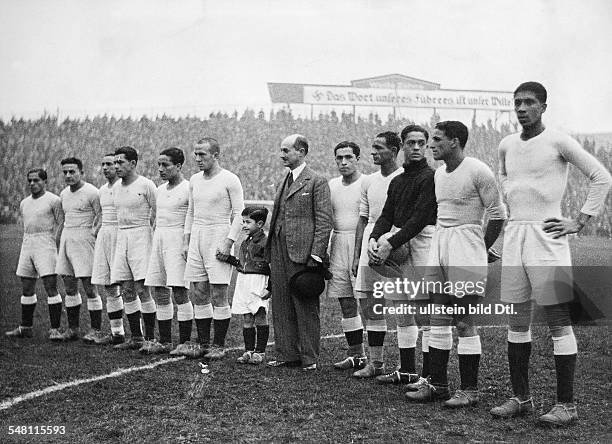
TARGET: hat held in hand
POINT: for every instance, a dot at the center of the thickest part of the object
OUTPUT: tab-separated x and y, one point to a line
308	283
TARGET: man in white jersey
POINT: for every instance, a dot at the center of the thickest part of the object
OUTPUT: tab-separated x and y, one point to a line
105	252
167	262
134	198
213	223
465	191
81	205
42	220
533	168
345	192
385	149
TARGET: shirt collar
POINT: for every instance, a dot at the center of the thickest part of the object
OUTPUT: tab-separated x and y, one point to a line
297	171
414	166
257	235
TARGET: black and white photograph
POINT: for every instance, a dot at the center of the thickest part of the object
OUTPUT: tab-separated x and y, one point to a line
305	221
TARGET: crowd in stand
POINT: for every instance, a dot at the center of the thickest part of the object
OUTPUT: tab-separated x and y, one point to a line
249	148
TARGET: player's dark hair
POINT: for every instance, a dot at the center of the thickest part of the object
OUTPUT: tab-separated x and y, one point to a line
301	143
454	129
347	144
129	152
414	128
74	161
256	213
42	174
392	140
109	154
534	87
212	143
176	155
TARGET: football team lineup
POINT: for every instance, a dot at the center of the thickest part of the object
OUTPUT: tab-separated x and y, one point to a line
407	245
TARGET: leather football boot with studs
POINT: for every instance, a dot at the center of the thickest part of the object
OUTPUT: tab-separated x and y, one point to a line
562	414
397	377
369	371
462	398
351	362
20	332
428	392
513	407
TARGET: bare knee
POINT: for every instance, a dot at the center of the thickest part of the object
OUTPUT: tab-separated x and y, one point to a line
161	295
200	292
127	291
248	320
70	284
557	315
28	286
373	309
180	295
349	307
440	319
141	292
422	320
261	317
557	331
403	319
520	320
465	330
50	284
89	289
219	295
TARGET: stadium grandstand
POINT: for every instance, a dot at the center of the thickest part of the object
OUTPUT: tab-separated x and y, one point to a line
249	148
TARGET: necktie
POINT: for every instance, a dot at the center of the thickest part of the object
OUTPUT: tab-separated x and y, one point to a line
290	180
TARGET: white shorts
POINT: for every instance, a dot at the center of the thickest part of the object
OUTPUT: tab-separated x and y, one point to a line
38	256
246	294
457	262
202	264
366	277
166	264
535	266
341	251
76	252
104	254
409	261
131	254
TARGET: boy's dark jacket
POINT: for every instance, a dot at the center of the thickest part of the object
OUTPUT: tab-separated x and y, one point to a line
252	259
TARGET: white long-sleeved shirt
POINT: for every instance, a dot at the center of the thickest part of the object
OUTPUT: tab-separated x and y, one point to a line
533	175
374	189
215	201
466	193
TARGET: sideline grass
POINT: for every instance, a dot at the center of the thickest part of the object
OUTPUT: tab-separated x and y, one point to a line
248	403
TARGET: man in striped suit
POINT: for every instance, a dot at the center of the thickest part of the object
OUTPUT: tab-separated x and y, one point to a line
299	234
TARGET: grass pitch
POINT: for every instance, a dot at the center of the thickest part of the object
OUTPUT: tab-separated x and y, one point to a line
174	402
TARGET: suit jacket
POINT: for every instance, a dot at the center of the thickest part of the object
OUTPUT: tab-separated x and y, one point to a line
308	216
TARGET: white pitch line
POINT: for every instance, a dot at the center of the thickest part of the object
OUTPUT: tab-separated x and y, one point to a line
124	371
58	387
4	405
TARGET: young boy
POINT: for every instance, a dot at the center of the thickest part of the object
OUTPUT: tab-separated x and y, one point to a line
251	294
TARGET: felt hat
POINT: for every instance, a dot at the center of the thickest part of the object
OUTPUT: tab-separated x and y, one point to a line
308	283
